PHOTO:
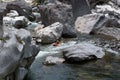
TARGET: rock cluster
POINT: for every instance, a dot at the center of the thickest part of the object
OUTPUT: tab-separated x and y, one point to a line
103	20
17	51
53	20
58	12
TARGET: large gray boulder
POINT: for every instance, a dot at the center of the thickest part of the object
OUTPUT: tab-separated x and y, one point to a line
16	52
82	52
10	54
58	12
87	23
50	34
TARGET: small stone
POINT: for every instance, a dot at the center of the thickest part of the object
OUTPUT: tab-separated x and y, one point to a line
50	60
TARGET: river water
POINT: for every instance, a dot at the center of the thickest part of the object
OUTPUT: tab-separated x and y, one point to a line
107	68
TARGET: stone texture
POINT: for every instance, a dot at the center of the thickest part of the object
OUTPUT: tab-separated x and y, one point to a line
17	52
50	34
89	23
111	32
58	12
20	22
80	8
82	52
22	8
17	22
50	60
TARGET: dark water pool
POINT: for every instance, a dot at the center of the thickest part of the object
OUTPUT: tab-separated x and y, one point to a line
107	68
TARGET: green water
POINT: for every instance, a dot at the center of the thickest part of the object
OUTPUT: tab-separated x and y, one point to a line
107	68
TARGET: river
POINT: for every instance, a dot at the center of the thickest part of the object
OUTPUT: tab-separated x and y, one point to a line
107	68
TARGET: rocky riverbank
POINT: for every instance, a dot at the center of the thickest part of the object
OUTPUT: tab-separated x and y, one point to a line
94	26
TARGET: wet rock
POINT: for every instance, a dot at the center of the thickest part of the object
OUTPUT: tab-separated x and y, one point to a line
12	13
50	60
7	21
91	22
106	8
69	32
80	8
32	25
16	50
82	52
21	73
9	60
17	22
50	34
10	55
22	8
112	32
20	22
59	12
37	16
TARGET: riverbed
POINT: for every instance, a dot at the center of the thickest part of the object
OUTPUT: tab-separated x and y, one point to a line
107	68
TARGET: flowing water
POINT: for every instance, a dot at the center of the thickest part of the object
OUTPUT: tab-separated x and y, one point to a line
107	68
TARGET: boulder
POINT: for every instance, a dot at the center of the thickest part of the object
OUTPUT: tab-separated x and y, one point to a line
12	13
22	8
20	22
50	34
21	73
82	52
86	24
7	21
17	22
17	52
110	32
59	12
10	54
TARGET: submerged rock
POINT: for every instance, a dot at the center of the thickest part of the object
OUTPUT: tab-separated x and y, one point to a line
82	52
50	34
53	60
